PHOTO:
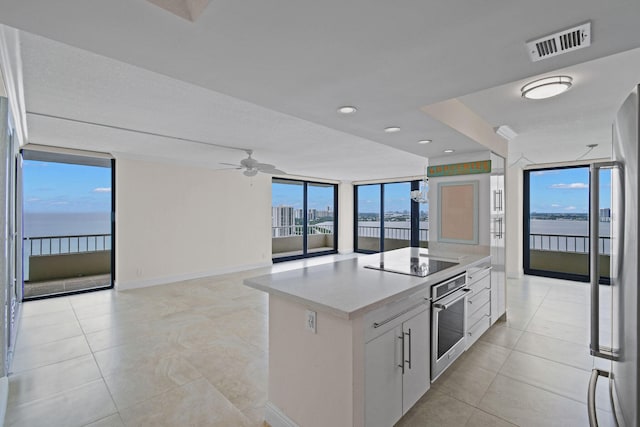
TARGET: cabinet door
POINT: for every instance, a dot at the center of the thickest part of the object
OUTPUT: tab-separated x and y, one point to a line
383	379
417	376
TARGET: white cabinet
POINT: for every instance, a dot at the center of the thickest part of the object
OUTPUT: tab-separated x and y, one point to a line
417	377
383	381
480	302
397	370
497	227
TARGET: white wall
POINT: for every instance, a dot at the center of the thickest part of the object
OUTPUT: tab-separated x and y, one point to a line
345	217
176	222
514	203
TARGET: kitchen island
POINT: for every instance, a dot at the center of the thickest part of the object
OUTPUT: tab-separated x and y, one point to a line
326	364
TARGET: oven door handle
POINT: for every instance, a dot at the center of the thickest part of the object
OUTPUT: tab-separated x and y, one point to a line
440	306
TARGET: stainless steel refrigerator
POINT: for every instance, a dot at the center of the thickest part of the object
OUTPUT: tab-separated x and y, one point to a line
622	355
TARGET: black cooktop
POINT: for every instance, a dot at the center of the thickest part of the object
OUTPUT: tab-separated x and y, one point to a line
420	265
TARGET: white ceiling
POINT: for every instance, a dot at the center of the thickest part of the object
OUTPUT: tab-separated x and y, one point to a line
270	75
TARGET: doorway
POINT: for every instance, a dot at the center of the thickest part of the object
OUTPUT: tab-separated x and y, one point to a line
556	223
67	221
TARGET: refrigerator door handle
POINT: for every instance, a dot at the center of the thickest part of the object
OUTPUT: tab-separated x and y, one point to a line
591	395
594	258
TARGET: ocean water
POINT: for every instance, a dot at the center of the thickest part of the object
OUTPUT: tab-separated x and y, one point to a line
39	224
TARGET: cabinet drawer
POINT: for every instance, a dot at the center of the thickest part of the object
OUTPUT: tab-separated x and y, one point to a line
477	273
379	321
477	300
477	330
483	283
479	314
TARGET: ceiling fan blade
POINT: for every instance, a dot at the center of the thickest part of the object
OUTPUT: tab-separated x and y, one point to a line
273	171
230	164
264	166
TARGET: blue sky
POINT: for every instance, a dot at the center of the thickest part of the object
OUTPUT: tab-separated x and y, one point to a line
566	190
61	187
291	195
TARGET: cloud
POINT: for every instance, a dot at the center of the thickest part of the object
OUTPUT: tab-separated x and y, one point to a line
556	206
570	208
547	172
572	186
102	190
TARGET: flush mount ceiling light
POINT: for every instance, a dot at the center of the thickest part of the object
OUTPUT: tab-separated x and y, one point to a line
392	129
424	141
449	150
347	109
546	87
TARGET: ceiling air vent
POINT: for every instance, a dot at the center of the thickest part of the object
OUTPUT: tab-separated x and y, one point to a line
561	42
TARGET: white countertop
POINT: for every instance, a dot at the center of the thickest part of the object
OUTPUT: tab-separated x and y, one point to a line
346	289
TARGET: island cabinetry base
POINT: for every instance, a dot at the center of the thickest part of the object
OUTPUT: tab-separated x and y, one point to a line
315	379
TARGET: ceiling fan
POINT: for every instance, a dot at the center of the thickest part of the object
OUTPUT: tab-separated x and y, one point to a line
251	166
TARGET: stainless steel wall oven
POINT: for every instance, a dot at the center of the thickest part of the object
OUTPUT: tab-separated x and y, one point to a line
448	323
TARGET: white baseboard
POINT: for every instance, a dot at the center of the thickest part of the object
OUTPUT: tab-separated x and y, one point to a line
4	396
276	418
144	283
345	251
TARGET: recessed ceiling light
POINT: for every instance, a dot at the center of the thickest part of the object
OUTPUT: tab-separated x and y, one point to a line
449	150
424	141
546	87
347	109
392	129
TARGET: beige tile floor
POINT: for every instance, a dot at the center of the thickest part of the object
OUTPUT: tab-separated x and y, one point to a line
194	353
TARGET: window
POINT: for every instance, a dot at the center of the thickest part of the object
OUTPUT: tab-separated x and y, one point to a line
556	223
386	218
67	222
303	219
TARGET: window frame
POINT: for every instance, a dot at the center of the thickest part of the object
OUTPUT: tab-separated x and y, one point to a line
305	216
414	240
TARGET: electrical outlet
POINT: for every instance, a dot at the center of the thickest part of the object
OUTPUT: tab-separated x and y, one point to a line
310	322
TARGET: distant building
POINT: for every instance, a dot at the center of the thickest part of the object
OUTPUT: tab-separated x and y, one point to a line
282	221
605	215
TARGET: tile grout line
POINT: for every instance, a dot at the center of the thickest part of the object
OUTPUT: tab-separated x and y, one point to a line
93	356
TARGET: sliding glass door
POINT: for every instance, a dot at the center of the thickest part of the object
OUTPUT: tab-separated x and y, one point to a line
556	223
67	213
303	219
386	218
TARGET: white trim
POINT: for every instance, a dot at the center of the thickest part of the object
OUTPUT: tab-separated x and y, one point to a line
4	396
276	418
582	162
345	251
135	284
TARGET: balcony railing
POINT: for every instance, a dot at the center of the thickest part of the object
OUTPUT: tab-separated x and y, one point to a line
397	233
565	243
56	245
298	230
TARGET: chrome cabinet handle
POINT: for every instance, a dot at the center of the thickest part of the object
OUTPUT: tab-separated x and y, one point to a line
409	335
395	316
401	337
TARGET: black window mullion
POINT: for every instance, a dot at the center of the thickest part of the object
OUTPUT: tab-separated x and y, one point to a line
381	245
305	218
415	217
